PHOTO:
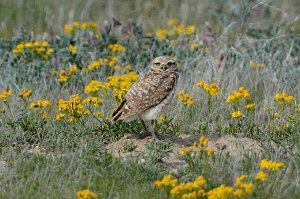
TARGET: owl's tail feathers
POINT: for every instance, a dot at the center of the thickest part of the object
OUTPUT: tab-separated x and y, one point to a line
119	112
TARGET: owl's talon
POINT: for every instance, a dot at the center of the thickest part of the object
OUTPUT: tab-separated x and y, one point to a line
157	136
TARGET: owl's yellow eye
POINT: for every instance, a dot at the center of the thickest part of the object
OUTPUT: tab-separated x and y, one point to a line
157	63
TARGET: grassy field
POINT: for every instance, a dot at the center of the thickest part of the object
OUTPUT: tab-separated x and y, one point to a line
64	70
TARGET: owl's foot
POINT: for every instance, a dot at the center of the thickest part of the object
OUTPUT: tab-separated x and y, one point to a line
140	135
157	136
144	134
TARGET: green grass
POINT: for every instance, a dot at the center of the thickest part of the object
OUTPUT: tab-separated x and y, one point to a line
73	155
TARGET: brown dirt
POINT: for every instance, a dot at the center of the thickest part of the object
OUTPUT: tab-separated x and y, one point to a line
235	147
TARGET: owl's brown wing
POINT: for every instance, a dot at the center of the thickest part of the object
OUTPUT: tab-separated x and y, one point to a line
144	94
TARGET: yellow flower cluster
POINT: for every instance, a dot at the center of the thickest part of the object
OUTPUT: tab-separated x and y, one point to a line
74	107
200	146
176	29
25	93
173	22
187	190
40	48
95	101
283	97
110	61
236	96
116	48
185	98
86	194
261	176
190	189
266	164
95	64
77	26
221	192
243	188
195	189
64	75
5	94
2	110
167	181
118	83
93	87
250	106
40	103
237	115
73	49
212	89
254	65
194	46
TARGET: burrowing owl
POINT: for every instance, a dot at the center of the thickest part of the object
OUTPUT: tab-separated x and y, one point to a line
149	96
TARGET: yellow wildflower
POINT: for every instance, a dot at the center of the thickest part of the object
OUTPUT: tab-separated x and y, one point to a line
73	49
60	116
33	105
73	69
128	67
221	192
236	96
167	181
68	29
240	180
40	103
50	51
37	44
186	99
194	46
99	114
94	100
189	29
180	29
93	87
95	64
63	76
86	194
25	93
162	34
254	65
212	89
45	44
116	48
84	25
209	152
28	45
244	190
283	97
250	106
173	22
237	115
261	176
203	141
162	119
5	94
266	164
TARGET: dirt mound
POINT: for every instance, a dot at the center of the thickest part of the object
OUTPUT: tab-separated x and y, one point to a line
130	147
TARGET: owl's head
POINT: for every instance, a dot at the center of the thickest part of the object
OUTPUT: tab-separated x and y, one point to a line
164	64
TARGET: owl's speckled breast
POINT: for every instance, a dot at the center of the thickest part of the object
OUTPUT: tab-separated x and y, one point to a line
156	111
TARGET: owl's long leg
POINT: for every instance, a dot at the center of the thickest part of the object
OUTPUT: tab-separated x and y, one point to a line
149	129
